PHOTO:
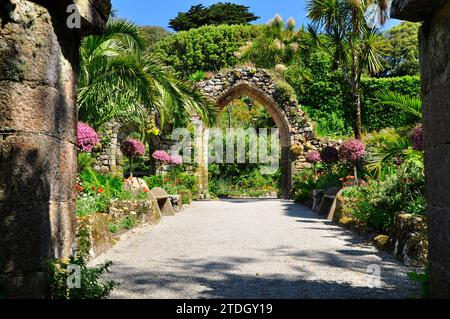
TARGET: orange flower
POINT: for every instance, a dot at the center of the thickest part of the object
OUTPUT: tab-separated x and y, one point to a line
93	188
146	190
79	188
101	190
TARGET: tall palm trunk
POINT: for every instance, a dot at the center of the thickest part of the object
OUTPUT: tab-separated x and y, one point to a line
356	110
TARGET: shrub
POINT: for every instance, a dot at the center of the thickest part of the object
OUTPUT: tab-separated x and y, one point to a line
284	93
208	48
376	203
92	287
87	137
154	181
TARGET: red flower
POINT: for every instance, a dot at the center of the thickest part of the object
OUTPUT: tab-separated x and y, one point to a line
101	190
146	190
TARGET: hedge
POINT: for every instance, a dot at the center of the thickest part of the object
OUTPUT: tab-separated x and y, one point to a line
376	117
208	48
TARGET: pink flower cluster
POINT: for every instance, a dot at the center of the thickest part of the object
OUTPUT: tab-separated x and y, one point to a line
352	151
87	138
165	158
313	157
417	138
132	148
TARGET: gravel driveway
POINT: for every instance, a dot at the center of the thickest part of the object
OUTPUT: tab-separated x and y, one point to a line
251	249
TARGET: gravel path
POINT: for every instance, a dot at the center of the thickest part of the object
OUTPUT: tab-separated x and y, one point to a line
250	249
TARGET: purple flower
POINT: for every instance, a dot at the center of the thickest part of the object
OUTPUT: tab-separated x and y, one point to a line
329	154
417	138
87	138
313	157
176	160
162	156
132	148
352	151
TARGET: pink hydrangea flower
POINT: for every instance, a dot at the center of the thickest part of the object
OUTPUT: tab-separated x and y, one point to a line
313	157
87	137
352	151
417	138
162	156
132	148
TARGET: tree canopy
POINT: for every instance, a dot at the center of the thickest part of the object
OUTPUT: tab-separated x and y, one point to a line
152	35
402	50
216	14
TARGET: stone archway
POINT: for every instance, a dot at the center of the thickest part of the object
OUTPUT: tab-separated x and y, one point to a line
294	127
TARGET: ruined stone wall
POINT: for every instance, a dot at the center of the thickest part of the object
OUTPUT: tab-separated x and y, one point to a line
435	68
435	72
38	116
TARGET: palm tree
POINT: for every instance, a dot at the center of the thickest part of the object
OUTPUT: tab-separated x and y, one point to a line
354	46
119	81
410	105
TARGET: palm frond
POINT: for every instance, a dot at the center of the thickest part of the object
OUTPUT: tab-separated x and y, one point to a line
411	105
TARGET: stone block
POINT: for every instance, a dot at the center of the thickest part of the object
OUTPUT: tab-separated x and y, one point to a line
36	168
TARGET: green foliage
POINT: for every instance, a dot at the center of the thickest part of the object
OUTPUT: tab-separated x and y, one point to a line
327	100
423	279
278	43
410	105
128	222
376	204
216	14
119	81
385	149
197	76
88	205
402	53
284	93
92	287
377	116
209	48
323	177
152	35
154	181
354	47
85	160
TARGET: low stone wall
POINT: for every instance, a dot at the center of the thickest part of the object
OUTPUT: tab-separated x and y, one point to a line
409	239
93	232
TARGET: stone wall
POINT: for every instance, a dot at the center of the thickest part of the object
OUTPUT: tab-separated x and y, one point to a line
39	59
435	72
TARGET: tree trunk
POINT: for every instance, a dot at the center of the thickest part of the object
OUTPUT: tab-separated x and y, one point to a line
357	111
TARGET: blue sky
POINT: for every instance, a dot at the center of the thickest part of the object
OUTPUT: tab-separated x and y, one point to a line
159	12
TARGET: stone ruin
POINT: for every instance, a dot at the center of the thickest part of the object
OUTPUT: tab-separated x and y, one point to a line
39	65
434	41
296	130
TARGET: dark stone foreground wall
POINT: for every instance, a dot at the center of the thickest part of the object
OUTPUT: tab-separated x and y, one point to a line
39	59
435	70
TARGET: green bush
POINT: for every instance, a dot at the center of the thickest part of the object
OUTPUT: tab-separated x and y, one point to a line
153	181
327	176
328	98
376	204
208	48
92	287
